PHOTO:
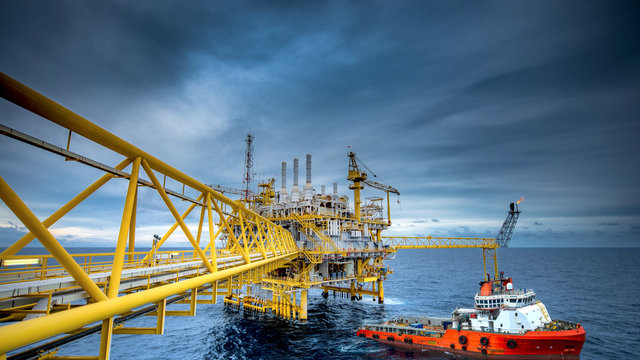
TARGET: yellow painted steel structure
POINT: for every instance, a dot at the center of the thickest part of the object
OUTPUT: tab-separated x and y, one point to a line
250	257
488	246
151	277
430	242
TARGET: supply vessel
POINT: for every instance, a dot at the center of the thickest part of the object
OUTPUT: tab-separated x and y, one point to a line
506	323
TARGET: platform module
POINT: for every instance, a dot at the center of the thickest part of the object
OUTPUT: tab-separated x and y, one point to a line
341	248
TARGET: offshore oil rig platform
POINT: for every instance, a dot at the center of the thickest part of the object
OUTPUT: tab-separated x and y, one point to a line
263	252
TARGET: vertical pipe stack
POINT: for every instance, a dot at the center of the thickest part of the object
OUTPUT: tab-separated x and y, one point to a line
295	173
295	192
308	169
283	189
308	189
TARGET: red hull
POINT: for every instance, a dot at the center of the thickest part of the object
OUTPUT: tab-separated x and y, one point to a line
533	344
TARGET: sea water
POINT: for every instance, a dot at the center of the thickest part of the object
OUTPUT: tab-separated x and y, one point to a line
599	288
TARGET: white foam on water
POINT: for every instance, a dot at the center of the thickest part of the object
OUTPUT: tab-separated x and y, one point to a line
391	301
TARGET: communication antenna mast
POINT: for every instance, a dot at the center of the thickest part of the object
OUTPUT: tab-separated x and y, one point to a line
248	166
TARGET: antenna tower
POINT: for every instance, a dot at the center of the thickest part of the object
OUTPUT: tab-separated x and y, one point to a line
248	166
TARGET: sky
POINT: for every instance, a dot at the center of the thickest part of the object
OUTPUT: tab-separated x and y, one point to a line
462	106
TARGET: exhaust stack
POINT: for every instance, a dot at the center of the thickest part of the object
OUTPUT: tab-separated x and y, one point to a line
283	189
295	192
308	169
308	189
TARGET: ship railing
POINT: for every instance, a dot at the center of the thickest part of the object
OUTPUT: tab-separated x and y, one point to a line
405	330
515	292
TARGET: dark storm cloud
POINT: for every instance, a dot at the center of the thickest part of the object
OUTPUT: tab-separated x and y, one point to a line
138	47
150	44
463	107
110	45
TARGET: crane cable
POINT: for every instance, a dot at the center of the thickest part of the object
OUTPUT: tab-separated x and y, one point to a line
382	181
365	166
374	175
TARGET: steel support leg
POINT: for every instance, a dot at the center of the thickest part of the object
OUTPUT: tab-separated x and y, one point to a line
132	229
199	234
484	264
105	339
162	309
303	305
118	257
193	302
212	239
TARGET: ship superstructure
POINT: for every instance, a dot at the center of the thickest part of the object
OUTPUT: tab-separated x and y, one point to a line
501	308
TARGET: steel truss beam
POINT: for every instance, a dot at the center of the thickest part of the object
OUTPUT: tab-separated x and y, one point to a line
257	232
69	155
429	242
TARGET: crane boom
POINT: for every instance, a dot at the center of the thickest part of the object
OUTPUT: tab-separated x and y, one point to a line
489	255
228	190
380	186
504	236
488	245
360	177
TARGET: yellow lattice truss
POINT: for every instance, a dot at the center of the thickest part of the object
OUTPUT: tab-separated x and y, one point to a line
488	246
105	287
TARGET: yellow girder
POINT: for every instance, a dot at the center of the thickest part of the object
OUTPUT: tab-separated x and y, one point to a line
429	242
104	290
31	331
37	103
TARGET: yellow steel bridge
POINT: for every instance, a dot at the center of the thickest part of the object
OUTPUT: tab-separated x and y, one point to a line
238	251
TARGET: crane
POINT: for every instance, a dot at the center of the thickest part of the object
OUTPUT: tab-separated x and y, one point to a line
488	245
502	240
229	190
360	177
